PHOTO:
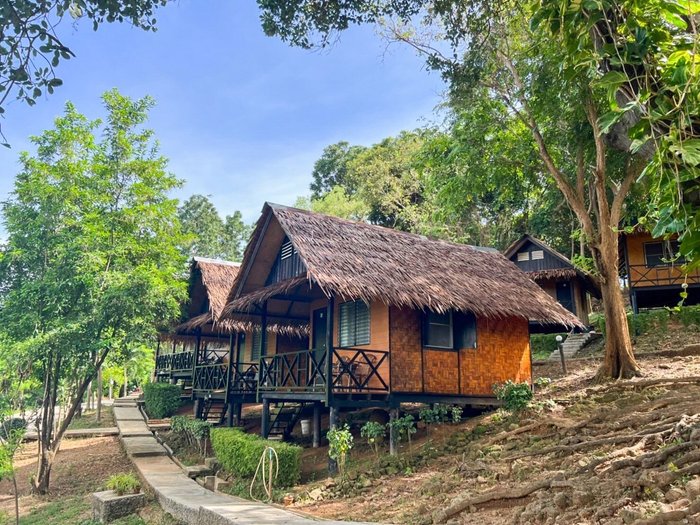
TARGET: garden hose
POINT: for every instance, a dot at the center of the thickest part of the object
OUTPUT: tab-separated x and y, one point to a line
270	460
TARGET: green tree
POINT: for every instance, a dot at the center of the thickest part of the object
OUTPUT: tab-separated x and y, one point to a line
209	234
330	170
31	49
91	261
496	54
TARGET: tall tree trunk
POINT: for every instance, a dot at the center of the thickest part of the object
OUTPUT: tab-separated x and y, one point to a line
98	407
111	389
619	362
126	382
14	483
50	440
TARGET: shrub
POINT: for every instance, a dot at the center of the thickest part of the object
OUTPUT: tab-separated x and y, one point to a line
543	382
543	345
161	399
374	433
196	431
239	453
340	442
125	483
515	396
11	425
456	413
404	427
689	315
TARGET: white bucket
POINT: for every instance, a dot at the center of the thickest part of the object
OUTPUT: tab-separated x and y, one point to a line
305	427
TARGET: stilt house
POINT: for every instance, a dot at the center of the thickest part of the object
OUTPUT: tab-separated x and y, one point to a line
557	275
654	271
216	359
394	317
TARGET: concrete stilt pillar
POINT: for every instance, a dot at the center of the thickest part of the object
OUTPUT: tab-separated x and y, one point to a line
265	423
393	442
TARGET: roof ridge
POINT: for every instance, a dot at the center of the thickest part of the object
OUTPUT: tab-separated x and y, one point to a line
211	260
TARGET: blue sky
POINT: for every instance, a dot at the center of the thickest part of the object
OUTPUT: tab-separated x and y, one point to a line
241	116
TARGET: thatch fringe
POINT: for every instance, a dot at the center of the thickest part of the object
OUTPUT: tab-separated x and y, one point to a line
555	273
362	261
244	323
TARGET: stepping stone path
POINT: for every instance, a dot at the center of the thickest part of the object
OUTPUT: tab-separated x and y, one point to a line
183	497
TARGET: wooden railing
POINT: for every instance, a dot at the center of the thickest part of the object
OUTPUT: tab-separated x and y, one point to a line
244	378
353	371
163	363
301	371
210	377
360	371
642	275
182	361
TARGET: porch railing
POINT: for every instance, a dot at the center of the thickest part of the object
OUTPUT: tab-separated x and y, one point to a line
642	275
360	371
301	371
163	363
210	377
244	378
182	361
353	371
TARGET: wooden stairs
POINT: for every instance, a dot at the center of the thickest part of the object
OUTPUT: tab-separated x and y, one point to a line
283	418
214	410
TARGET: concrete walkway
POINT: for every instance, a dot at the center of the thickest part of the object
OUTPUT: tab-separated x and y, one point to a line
183	497
80	433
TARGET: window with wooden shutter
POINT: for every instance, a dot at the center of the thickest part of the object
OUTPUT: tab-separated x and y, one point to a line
465	330
437	332
257	345
354	323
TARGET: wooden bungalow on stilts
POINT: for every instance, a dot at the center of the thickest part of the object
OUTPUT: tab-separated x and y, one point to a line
571	286
394	317
216	360
654	272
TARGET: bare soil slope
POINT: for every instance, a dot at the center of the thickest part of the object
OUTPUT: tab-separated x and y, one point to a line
622	452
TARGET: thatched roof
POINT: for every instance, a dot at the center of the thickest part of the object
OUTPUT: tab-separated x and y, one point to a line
217	277
568	270
355	260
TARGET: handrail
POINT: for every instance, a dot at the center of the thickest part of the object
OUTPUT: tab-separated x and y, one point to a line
210	377
666	275
244	378
182	360
360	371
302	370
354	371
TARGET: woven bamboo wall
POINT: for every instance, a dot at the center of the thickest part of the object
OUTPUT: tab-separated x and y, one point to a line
503	352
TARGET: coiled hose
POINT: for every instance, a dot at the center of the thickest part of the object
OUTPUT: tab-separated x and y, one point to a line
268	462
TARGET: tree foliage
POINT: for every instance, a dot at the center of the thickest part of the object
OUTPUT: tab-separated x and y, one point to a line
30	46
209	234
91	261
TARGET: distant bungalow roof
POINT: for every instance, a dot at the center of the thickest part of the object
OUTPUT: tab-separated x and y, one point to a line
570	272
356	260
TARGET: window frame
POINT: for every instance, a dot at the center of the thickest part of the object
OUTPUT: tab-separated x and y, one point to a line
353	342
669	248
426	331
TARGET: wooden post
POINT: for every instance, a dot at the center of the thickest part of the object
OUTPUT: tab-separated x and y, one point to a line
229	374
197	408
329	351
263	332
393	416
265	423
231	414
333	423
560	344
317	424
237	417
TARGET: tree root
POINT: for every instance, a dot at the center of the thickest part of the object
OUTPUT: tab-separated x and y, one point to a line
461	504
580	446
670	516
650	459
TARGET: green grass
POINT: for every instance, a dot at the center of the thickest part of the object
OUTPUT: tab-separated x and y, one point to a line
88	420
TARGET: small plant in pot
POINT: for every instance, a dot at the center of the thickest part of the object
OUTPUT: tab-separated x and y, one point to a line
125	483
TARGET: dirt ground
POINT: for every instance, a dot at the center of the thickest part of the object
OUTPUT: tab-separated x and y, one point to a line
82	466
621	452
